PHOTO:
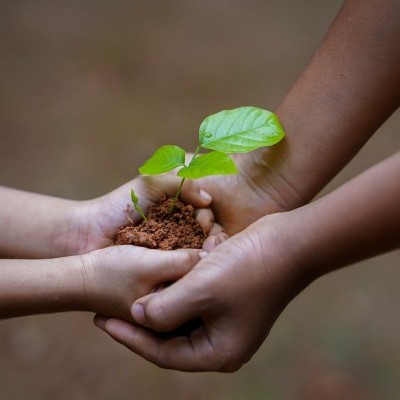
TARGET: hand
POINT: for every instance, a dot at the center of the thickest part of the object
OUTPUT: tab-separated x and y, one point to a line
105	281
238	291
94	223
257	190
113	278
240	288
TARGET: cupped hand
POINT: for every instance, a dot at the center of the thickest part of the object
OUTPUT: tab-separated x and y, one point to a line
237	291
113	278
95	222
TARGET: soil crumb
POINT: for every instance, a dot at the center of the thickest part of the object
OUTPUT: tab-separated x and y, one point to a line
164	232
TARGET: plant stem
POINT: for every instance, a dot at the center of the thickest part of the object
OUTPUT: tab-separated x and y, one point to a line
140	211
178	192
135	202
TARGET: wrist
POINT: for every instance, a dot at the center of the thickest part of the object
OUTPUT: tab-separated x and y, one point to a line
90	291
266	172
104	285
302	243
282	231
62	284
74	272
40	286
70	235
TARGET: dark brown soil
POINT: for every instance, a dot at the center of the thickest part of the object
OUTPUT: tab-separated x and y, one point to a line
180	230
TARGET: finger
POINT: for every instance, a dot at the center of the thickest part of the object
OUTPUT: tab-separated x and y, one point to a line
214	240
184	353
193	194
182	301
205	218
168	266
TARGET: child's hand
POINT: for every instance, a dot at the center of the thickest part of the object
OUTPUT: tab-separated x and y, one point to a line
115	277
104	281
94	223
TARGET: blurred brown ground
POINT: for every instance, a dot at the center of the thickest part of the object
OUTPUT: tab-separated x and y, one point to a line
87	90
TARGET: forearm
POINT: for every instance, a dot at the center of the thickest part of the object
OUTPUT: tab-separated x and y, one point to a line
359	220
34	225
350	87
40	286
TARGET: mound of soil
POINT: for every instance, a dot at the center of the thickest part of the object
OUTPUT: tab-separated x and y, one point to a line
180	230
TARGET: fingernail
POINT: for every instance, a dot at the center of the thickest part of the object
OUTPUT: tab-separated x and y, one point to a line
203	254
100	321
205	196
138	314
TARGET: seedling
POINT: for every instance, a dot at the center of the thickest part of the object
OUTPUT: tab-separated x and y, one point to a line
135	202
227	132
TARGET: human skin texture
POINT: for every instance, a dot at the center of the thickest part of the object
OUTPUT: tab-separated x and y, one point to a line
241	287
350	87
104	281
59	227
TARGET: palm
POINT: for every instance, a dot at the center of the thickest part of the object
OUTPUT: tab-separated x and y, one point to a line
101	217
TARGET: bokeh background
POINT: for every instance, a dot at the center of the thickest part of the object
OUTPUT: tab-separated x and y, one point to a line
88	89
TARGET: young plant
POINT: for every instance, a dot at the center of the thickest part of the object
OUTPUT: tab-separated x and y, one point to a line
227	132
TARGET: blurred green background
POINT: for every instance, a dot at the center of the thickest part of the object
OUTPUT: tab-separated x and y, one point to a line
88	89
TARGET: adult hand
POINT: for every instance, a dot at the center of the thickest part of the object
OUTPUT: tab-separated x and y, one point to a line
257	190
238	291
325	118
240	288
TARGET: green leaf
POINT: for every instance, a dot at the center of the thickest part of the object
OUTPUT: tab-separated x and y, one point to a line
213	163
240	130
164	159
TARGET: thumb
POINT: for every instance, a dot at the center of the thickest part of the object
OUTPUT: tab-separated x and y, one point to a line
168	309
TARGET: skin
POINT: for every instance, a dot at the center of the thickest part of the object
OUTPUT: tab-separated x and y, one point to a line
350	87
239	297
103	281
58	227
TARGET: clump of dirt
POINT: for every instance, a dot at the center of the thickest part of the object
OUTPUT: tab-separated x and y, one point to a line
180	230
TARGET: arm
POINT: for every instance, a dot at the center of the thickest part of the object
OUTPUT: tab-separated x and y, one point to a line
30	222
105	281
40	286
350	87
359	220
240	288
38	226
